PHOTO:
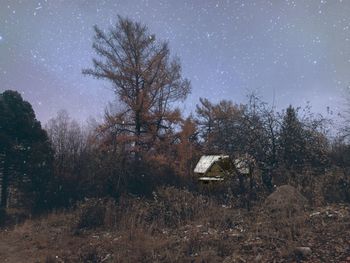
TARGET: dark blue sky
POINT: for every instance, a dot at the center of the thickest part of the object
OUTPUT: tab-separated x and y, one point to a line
293	51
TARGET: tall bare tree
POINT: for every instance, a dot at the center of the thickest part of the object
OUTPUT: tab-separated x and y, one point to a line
72	151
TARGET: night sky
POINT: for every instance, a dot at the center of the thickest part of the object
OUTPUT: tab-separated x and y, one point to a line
290	52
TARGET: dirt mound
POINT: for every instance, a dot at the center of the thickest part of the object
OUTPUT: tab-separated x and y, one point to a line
285	199
283	215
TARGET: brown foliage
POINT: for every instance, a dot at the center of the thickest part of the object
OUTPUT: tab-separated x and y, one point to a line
145	79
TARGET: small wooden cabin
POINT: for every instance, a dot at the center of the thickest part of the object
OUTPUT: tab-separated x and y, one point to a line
215	168
211	168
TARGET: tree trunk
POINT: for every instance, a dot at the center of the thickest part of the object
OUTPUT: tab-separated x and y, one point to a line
138	135
4	184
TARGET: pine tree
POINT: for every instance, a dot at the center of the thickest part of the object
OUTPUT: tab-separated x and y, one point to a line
25	151
292	140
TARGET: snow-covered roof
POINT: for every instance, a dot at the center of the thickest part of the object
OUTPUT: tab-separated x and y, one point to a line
210	179
206	161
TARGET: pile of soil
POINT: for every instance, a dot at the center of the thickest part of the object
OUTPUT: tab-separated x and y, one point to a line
282	218
285	200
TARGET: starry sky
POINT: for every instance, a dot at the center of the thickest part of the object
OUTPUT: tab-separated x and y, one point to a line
289	52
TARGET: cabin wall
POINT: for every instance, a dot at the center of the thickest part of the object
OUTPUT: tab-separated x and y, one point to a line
220	168
215	170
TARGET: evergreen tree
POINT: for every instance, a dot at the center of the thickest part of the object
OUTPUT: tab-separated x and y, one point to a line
292	140
25	151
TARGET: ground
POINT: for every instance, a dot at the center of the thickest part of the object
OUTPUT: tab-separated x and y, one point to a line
226	234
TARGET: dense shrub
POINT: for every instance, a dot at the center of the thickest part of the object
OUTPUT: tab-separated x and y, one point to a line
90	214
2	216
89	254
173	207
337	186
169	208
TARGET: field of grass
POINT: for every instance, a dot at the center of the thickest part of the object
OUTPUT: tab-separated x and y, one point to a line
179	226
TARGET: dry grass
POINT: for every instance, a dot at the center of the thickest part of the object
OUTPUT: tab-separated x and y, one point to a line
177	226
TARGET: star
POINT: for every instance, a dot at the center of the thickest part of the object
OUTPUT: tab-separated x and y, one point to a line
230	46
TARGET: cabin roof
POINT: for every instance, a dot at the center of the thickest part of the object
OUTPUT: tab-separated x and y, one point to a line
206	161
209	178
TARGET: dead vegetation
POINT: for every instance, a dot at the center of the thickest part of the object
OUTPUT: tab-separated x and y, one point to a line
180	226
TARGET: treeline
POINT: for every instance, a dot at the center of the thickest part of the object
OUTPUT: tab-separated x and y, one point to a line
288	147
145	141
67	162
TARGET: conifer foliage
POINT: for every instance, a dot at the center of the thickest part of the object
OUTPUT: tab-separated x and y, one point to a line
146	81
25	151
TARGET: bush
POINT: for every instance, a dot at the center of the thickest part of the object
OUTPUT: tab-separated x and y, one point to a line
173	207
2	216
337	186
89	254
91	214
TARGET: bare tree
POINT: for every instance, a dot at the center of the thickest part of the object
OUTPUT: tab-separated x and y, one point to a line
70	145
346	126
219	124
